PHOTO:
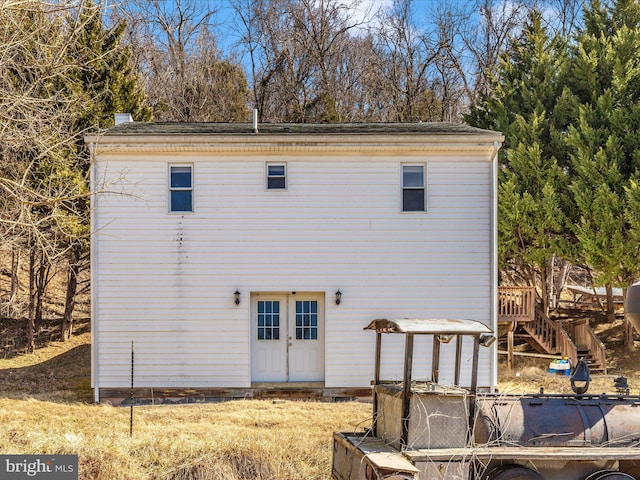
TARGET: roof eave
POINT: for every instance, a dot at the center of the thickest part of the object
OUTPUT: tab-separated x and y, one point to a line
485	143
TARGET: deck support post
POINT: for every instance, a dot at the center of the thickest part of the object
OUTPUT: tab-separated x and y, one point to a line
376	382
456	380
474	385
510	333
435	360
474	366
406	389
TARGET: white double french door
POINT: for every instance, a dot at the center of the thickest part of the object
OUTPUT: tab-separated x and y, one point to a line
287	337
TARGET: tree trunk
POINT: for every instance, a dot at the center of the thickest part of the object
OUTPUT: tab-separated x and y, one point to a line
558	281
41	284
611	308
544	274
15	266
66	328
30	327
551	284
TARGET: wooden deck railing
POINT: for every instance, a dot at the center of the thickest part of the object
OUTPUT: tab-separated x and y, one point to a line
565	345
543	330
516	304
586	339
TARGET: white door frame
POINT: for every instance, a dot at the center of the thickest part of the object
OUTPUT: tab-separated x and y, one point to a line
287	337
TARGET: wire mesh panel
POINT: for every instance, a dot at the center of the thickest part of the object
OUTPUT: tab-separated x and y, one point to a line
436	419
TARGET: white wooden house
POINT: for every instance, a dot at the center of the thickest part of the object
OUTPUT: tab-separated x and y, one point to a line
239	260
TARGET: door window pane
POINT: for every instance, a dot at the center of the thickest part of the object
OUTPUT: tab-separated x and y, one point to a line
268	320
307	320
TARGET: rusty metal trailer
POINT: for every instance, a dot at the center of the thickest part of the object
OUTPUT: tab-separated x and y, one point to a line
428	431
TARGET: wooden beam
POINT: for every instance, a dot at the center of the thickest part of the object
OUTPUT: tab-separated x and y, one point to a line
376	381
406	389
157	396
527	354
510	349
435	360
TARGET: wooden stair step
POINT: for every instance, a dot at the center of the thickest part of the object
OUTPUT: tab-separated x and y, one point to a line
593	365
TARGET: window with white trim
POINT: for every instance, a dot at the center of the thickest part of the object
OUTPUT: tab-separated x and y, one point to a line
413	191
180	188
276	176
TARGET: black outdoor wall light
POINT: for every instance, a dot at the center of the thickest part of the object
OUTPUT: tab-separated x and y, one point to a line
237	295
338	297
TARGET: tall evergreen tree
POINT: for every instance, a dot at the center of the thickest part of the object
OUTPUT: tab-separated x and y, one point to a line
103	71
532	198
105	80
604	77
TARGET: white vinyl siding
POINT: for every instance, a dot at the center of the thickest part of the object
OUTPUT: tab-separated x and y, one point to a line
167	282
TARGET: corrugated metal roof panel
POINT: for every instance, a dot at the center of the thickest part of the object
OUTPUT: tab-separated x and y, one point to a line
429	326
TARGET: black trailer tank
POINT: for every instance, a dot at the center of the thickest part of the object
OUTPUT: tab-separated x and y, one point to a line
632	306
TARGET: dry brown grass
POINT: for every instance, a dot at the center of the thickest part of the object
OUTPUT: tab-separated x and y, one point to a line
45	409
249	439
59	371
529	376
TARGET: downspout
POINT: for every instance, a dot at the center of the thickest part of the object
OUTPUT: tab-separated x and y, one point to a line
494	261
93	274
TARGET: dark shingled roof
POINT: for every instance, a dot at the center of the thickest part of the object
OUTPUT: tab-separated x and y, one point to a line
182	129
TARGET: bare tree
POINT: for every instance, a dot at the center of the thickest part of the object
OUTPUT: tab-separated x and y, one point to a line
451	85
486	32
297	51
281	68
186	76
563	16
357	92
406	58
310	60
35	135
472	35
50	96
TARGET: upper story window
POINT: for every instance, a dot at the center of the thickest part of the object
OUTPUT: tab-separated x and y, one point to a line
276	176
413	191
180	188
